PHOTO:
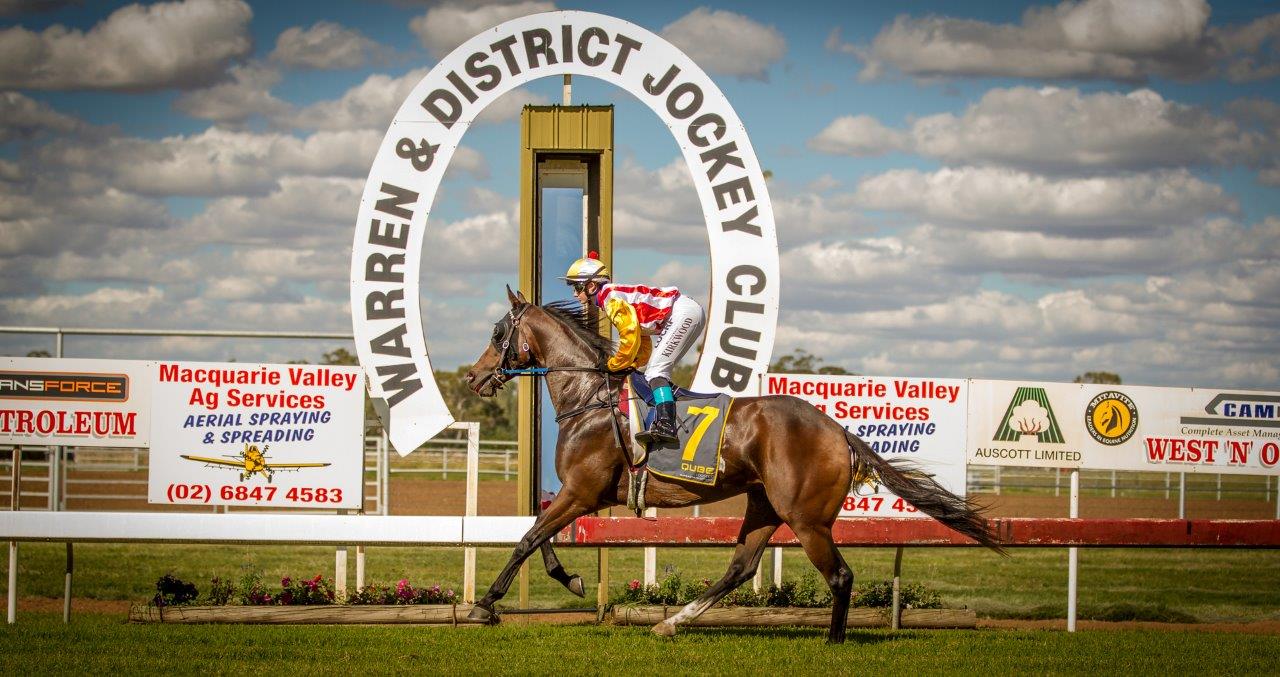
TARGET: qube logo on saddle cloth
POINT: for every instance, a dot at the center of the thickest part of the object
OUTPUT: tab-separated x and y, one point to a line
700	427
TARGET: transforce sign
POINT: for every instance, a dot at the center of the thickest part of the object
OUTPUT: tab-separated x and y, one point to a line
386	254
68	402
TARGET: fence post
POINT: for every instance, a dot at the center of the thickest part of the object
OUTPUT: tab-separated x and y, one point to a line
897	590
471	509
15	496
1182	495
1073	556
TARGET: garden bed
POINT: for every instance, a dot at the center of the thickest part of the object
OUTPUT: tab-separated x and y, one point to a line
311	614
447	614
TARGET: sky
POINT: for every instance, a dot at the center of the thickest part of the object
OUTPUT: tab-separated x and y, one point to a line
991	190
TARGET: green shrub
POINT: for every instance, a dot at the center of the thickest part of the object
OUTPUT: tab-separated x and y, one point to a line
911	596
172	591
220	591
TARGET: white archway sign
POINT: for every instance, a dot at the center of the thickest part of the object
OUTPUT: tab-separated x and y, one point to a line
385	258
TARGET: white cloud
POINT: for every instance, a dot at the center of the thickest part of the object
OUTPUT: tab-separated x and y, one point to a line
446	26
22	117
991	197
373	103
232	103
369	105
1103	39
857	135
216	161
1064	130
306	212
137	48
324	45
727	43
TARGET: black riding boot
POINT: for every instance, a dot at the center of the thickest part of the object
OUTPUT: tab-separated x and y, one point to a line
663	430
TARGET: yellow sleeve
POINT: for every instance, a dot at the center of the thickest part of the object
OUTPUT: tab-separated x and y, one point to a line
623	317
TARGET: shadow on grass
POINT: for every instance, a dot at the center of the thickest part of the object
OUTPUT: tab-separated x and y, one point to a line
798	634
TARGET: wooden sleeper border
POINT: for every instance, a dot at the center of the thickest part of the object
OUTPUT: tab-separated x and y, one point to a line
456	615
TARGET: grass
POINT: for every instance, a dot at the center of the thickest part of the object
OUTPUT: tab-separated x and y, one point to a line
1208	585
104	645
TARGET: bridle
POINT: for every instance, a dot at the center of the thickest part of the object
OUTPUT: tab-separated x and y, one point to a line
508	367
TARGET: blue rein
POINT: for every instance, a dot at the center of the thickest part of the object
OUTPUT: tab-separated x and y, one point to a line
528	371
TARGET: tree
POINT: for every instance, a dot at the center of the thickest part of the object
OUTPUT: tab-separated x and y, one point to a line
39	353
1104	377
801	361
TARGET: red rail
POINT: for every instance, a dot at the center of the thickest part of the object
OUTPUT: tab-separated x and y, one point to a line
873	532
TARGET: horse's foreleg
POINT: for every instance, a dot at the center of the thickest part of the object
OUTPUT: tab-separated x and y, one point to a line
564	509
757	526
822	551
556	571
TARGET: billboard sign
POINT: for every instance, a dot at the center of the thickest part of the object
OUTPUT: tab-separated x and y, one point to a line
74	402
281	436
920	419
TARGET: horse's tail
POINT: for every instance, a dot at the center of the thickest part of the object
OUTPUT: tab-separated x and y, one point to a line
922	491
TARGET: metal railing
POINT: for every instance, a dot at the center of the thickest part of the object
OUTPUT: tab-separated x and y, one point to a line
93	474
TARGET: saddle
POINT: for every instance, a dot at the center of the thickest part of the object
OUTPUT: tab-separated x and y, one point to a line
695	458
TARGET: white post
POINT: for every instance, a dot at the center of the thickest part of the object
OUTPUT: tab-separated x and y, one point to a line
1182	495
473	489
1113	484
650	556
896	620
66	590
15	495
359	567
567	94
384	467
1057	482
777	567
1219	496
1073	556
340	572
997	481
1168	482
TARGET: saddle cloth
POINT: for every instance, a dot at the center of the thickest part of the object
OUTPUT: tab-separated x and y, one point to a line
700	427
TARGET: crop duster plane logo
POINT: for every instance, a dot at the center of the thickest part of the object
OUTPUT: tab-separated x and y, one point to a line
250	462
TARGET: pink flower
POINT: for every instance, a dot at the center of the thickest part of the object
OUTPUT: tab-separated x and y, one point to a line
286	582
634	584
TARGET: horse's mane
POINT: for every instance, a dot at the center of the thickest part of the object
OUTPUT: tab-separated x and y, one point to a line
583	323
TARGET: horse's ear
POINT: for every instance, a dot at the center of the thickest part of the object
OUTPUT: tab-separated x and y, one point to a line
516	298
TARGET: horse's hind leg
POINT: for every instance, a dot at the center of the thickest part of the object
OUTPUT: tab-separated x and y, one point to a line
556	571
757	526
822	551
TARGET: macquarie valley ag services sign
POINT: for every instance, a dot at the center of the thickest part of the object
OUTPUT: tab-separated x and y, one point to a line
278	435
920	419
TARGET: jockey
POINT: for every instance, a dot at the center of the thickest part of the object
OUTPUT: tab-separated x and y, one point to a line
656	325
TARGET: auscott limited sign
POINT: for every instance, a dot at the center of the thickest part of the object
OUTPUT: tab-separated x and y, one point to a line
385	263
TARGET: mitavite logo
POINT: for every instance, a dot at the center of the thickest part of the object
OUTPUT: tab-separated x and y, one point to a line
1029	413
34	385
1111	417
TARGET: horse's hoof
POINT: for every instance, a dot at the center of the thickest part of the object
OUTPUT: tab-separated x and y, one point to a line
481	614
576	587
664	629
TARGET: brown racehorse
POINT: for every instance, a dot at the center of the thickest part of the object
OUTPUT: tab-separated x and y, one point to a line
794	463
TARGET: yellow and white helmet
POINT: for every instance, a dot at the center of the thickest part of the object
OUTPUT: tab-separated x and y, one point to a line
587	268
